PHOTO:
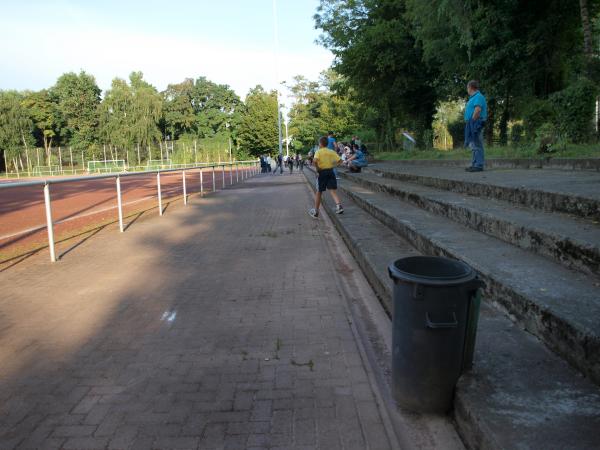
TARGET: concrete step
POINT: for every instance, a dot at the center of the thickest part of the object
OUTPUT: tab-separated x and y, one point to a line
570	192
514	163
572	241
558	305
518	394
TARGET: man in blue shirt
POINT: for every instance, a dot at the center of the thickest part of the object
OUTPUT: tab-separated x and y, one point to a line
331	141
331	146
475	117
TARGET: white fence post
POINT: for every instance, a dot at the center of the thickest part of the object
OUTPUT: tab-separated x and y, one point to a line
184	188
119	203
237	172
230	174
160	209
223	173
213	174
49	224
201	183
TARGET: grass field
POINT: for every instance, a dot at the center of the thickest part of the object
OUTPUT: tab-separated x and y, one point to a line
571	151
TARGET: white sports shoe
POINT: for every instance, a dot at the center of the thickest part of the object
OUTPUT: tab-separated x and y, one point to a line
313	213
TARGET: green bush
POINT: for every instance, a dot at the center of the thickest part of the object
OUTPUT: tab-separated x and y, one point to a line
428	139
574	109
537	113
546	138
457	131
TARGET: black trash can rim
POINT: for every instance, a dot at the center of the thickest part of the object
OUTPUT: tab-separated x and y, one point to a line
431	270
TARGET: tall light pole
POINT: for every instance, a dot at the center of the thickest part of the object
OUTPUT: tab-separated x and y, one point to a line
276	37
279	124
287	140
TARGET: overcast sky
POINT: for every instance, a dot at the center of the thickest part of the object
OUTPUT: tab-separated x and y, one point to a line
228	41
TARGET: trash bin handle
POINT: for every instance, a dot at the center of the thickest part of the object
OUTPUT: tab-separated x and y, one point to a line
437	325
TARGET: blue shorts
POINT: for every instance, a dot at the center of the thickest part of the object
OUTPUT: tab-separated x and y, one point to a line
327	180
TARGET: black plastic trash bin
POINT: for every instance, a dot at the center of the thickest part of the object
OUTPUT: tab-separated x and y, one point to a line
435	313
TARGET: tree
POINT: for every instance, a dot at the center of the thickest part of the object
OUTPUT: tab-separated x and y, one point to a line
215	106
116	111
179	116
146	111
43	110
78	98
381	61
258	132
539	52
320	107
130	113
16	127
587	28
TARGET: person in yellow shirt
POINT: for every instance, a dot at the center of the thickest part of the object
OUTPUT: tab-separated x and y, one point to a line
325	160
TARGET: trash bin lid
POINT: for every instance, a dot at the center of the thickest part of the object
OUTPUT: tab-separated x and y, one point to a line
431	270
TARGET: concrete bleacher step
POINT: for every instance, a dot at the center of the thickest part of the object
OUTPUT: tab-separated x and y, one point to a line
518	394
572	241
576	193
558	305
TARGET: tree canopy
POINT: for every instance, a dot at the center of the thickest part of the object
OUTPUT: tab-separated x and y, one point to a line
258	131
404	57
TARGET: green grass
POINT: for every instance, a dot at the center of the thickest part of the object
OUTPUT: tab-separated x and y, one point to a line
570	151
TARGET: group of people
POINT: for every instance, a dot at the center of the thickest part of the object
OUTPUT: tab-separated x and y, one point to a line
329	155
353	154
289	161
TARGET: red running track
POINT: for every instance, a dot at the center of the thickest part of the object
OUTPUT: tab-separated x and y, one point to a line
79	205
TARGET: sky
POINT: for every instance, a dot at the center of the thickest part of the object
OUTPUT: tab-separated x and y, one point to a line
229	41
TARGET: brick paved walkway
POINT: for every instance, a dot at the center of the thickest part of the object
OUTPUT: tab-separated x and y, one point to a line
219	325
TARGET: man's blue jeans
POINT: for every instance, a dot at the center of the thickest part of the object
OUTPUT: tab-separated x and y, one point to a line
478	152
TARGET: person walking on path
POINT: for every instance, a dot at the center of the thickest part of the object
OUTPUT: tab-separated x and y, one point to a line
279	165
290	163
325	160
475	117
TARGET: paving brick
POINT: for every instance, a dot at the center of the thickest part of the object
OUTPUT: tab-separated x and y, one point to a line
84	443
248	427
213	436
304	431
183	443
235	442
74	430
257	441
123	437
261	410
96	414
329	439
47	444
282	421
229	416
